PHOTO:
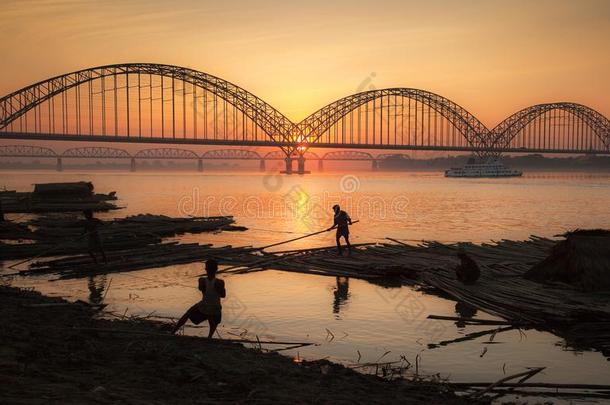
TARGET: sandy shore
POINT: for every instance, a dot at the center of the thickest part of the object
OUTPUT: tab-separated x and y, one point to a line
63	353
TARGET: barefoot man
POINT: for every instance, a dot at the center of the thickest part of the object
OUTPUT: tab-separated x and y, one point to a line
341	222
209	307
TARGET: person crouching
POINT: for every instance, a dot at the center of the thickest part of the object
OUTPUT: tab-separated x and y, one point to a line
209	308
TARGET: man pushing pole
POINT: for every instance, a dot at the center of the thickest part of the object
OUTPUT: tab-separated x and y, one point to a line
341	222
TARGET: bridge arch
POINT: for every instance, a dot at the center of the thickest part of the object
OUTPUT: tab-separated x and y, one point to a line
16	105
279	155
550	126
26	151
166	153
347	155
232	154
474	132
96	152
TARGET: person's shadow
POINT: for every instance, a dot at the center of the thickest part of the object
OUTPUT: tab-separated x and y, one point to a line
465	311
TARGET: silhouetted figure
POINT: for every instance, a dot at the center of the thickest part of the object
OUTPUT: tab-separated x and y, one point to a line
92	226
209	307
342	222
467	271
341	293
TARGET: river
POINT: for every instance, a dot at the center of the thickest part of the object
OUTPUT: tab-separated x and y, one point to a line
352	320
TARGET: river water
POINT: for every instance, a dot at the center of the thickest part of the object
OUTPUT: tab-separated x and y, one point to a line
351	320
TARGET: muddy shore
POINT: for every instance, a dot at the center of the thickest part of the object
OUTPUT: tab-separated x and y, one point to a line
55	352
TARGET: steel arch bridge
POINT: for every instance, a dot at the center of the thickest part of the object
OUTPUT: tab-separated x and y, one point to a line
101	104
370	120
565	127
172	105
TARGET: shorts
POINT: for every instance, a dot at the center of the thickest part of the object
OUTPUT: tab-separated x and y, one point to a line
342	232
197	316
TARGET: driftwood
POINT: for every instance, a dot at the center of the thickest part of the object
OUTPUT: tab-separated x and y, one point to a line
470	336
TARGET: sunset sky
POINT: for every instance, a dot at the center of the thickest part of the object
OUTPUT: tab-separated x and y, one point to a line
492	57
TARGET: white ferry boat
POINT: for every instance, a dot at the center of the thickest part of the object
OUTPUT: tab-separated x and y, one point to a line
491	168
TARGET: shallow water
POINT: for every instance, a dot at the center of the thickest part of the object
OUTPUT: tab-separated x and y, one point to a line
366	320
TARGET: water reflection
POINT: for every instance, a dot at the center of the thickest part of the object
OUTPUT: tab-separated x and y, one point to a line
97	285
341	293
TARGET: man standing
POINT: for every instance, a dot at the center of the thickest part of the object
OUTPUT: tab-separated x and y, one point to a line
341	222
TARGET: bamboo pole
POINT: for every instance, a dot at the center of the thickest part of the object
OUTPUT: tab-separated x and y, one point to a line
300	237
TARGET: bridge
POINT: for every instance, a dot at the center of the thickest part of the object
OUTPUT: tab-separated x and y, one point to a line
177	106
30	151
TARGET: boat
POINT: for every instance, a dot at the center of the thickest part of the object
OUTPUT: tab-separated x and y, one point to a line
490	168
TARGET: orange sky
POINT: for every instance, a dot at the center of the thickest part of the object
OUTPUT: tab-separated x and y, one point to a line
492	57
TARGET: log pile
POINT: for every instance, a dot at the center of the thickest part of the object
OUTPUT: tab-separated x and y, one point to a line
137	225
406	262
581	260
502	290
57	197
15	231
150	256
61	234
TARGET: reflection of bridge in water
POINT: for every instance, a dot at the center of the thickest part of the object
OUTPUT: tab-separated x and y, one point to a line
170	105
101	152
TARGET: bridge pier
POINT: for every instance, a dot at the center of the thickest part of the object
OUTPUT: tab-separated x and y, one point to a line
321	165
301	164
59	166
288	161
375	165
199	165
133	165
261	165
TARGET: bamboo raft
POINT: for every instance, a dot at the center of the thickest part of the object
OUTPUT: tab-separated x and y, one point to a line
583	319
150	256
142	224
63	235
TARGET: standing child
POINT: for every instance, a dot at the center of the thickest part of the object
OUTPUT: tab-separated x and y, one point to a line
209	307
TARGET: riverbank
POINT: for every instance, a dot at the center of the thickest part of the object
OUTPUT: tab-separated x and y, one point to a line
52	351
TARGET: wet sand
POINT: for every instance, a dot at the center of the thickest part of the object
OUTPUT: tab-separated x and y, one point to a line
54	352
